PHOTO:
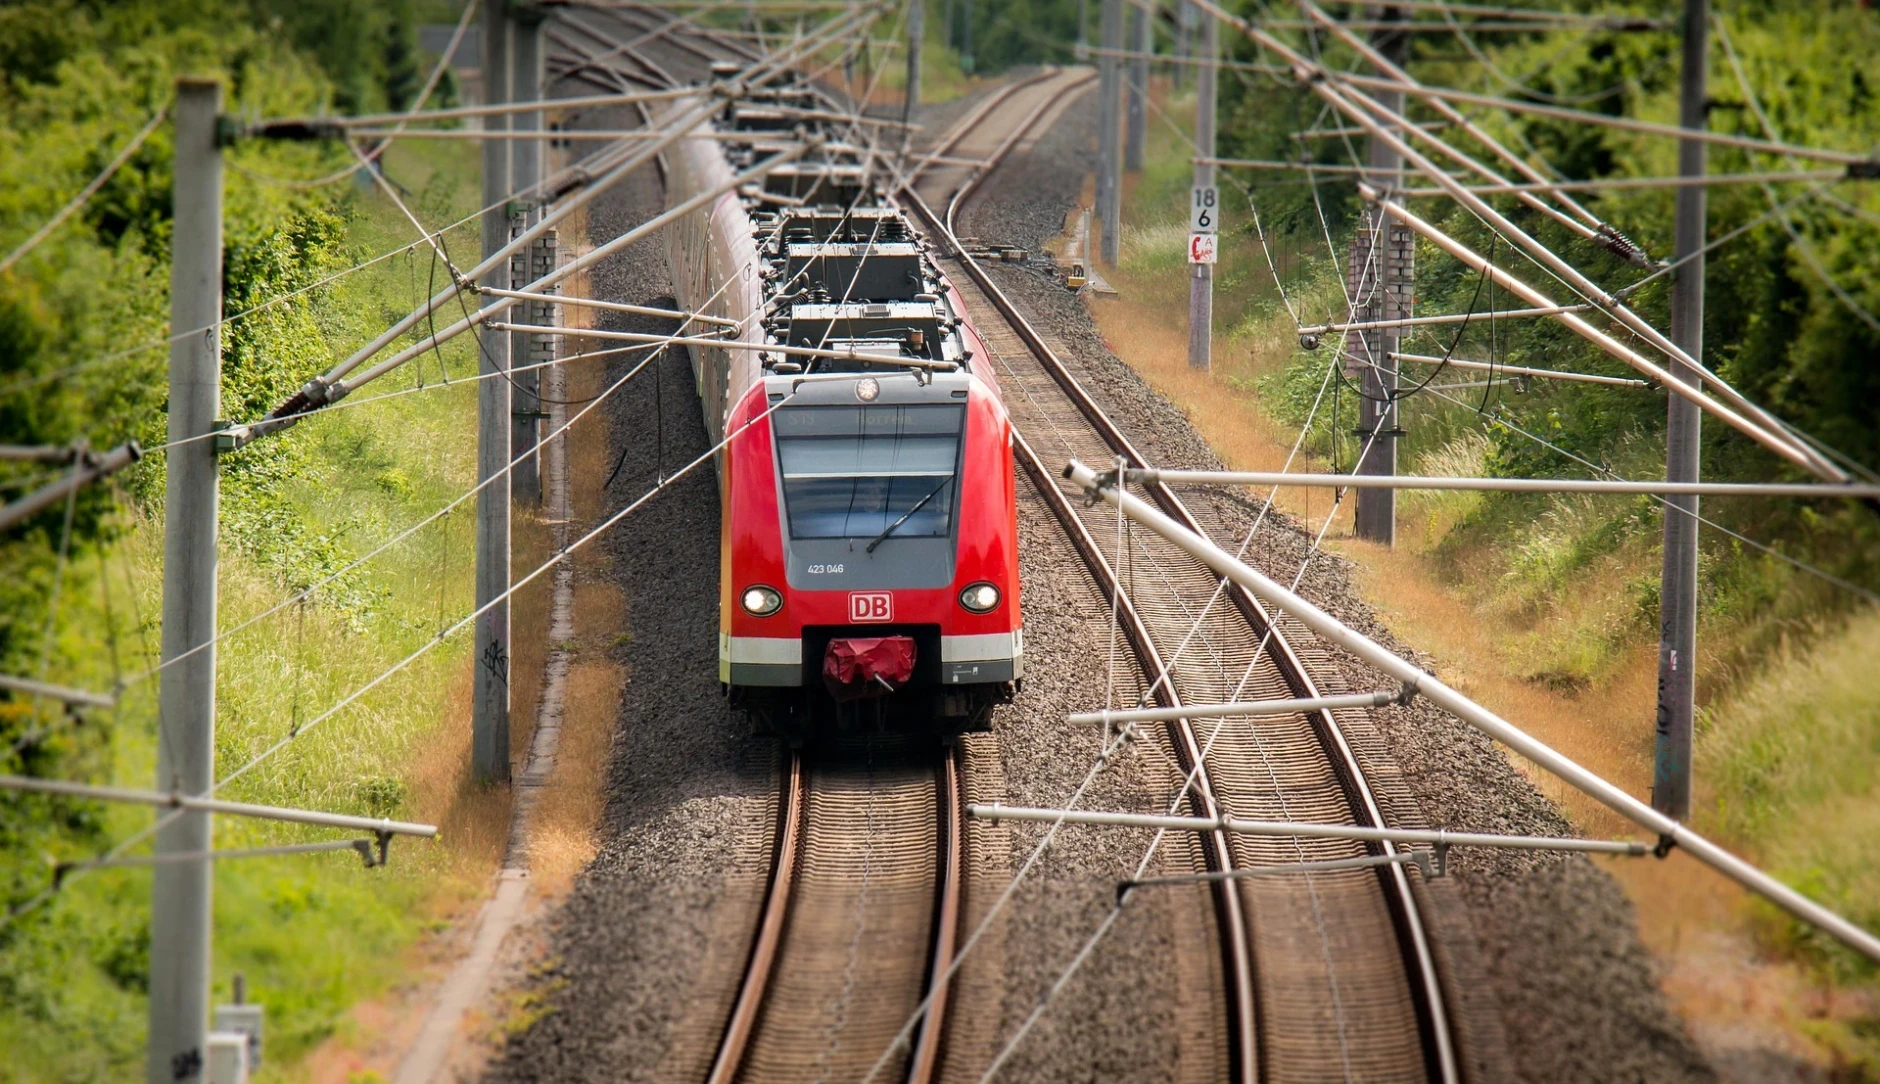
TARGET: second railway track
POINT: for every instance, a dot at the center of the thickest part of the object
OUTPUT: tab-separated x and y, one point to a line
1330	976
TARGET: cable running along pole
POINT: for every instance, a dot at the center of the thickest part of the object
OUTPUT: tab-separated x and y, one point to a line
180	894
1677	595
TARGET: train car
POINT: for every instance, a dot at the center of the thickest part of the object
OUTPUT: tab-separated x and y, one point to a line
869	543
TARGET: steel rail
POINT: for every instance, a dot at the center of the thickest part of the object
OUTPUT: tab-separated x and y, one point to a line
589	69
596	60
967	123
666	30
1241	993
923	1065
780	894
1245	1052
1018	132
749	1005
1414	942
688	25
637	56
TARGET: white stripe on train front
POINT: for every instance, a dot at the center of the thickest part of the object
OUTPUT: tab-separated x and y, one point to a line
985	646
761	650
787	651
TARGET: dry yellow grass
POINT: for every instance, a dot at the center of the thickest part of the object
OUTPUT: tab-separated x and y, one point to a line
472	819
563	838
568	812
531	543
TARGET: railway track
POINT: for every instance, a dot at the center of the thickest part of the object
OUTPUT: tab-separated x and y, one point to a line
860	918
861	914
1329	976
949	173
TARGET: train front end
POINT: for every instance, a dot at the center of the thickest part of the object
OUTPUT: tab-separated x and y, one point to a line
870	558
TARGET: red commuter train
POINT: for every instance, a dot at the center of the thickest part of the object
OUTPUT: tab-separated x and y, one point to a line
868	571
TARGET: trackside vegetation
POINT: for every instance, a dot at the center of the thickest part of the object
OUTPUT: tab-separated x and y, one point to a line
83	321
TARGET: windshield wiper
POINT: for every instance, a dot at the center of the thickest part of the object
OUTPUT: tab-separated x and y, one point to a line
918	505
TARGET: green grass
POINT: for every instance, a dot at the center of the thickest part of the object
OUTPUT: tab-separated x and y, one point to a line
313	934
1790	768
1792	762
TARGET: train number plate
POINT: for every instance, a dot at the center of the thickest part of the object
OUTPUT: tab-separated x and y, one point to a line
871	606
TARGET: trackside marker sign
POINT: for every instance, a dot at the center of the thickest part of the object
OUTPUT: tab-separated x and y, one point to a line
871	606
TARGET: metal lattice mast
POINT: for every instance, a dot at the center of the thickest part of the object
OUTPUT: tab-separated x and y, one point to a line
525	26
1387	275
1109	153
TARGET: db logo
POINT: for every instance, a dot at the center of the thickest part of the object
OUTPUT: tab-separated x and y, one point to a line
871	606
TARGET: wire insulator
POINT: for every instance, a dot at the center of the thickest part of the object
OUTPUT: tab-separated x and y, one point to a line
1623	247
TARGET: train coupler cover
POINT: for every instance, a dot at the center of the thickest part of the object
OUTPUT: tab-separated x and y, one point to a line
854	669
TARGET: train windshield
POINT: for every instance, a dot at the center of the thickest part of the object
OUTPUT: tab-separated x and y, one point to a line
854	471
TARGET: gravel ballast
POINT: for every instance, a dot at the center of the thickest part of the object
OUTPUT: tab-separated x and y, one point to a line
644	954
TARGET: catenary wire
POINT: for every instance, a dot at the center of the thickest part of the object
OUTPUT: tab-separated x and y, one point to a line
1802	244
85	194
366	161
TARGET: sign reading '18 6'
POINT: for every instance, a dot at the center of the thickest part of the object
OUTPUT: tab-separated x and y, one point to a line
1204	210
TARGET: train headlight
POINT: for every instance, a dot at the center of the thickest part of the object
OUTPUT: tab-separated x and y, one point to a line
867	389
980	598
761	601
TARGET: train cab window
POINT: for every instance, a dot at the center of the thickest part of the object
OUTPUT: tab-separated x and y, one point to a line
851	472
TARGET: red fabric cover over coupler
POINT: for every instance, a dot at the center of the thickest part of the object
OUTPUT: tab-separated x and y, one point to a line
867	667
